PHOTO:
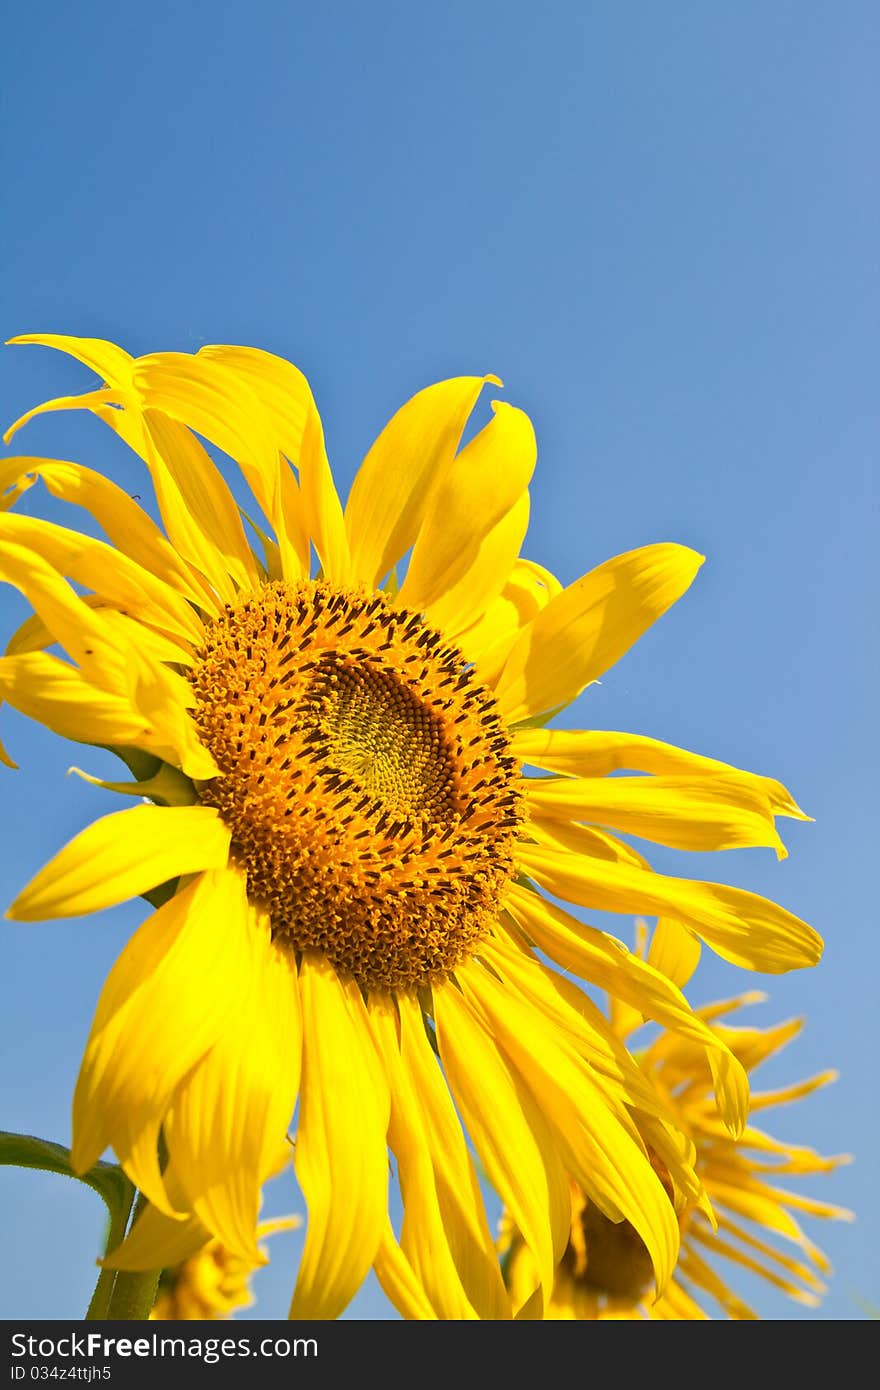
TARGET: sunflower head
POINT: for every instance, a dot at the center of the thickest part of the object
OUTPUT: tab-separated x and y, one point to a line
364	846
365	776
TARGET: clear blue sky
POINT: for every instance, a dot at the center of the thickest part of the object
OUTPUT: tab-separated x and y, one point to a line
658	224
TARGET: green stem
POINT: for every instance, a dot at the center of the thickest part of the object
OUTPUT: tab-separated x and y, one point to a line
133	1296
132	1293
97	1309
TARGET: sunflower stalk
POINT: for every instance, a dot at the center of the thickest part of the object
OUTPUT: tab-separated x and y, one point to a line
99	1305
133	1293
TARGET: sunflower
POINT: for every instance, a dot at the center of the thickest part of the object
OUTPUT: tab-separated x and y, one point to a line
605	1272
213	1283
207	1282
339	826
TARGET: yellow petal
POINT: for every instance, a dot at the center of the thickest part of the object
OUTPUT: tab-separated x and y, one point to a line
286	396
15	479
128	526
109	361
121	856
674	951
212	399
740	927
231	1113
507	1129
603	961
589	626
475	492
111	658
398	1280
196	506
698	1273
423	1238
597	752
526	592
341	1153
764	1100
111	575
79	629
390	493
167	999
461	1202
597	1150
56	695
158	1241
705	813
622	1087
89	400
481	583
583	839
762	1268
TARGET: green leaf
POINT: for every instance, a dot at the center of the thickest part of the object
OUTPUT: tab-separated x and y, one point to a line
109	1181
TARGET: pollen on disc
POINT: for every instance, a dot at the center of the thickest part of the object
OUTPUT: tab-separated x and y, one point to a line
365	776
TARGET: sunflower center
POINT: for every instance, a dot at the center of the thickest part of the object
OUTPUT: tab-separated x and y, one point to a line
609	1257
364	774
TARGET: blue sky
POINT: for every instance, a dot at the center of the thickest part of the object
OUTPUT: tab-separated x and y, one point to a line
658	225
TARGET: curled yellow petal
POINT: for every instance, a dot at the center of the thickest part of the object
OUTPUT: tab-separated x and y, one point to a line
705	813
740	927
598	752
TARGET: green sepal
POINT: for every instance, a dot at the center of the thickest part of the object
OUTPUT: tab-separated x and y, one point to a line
538	721
140	764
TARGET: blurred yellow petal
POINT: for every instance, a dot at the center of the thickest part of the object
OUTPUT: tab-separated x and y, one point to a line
674	951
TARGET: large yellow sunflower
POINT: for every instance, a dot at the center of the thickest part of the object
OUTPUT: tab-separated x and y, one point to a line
605	1272
337	826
